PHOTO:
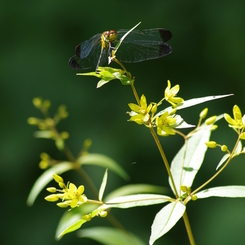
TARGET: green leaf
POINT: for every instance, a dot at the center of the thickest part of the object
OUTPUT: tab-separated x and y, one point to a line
238	149
224	158
72	216
223	191
165	219
135	201
73	227
45	178
188	160
192	102
110	236
103	161
196	101
68	218
135	189
103	185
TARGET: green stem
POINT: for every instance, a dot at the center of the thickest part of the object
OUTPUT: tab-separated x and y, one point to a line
217	173
135	94
188	229
164	158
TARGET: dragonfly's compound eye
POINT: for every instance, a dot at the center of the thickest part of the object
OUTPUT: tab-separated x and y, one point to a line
113	35
106	34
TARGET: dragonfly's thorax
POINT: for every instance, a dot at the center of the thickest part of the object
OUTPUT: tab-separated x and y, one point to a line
108	37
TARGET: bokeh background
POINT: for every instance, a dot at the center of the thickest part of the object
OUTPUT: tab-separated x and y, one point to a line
38	38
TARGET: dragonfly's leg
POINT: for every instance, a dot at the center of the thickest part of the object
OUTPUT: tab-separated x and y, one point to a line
102	49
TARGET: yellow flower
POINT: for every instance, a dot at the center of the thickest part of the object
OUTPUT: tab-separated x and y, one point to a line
170	94
70	194
75	195
237	122
140	114
165	124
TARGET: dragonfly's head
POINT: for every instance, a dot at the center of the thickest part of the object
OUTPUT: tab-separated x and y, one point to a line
108	37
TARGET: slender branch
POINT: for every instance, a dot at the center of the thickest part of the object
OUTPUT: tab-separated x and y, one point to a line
188	229
135	94
164	158
220	170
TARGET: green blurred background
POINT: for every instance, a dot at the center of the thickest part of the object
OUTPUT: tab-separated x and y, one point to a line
38	38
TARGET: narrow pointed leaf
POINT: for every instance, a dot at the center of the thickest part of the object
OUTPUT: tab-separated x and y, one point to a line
165	219
68	218
103	161
136	200
103	185
196	101
73	227
193	102
45	178
223	191
110	236
135	189
238	149
72	216
188	160
224	158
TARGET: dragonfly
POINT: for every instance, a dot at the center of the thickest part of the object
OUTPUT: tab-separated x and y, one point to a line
137	46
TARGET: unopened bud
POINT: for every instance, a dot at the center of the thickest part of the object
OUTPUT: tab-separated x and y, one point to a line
211	120
224	148
203	113
211	144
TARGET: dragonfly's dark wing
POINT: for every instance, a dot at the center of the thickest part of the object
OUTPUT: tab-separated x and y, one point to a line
142	45
87	54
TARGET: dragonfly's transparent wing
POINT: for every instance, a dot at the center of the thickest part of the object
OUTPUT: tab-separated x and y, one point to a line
88	54
142	45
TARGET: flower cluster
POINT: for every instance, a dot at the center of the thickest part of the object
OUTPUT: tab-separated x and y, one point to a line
238	122
47	126
69	194
165	121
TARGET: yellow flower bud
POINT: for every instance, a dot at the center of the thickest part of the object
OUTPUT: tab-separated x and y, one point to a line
193	197
87	217
154	109
37	102
49	122
183	188
63	204
64	135
211	144
210	120
103	214
33	121
203	113
43	164
52	198
57	178
46	104
224	148
51	189
214	127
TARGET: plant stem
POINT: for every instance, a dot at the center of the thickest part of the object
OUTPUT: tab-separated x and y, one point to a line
164	158
135	94
188	229
220	170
